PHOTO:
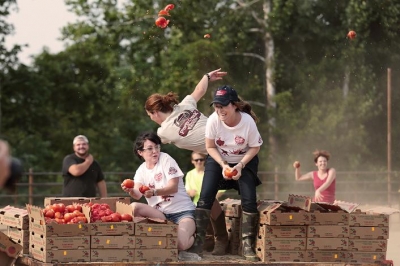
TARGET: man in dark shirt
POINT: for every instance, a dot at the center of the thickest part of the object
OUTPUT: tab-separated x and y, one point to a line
82	174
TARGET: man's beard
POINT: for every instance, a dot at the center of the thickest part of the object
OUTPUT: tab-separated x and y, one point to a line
82	154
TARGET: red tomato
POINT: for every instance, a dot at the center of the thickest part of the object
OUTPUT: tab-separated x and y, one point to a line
161	22
126	217
50	213
143	189
351	35
61	207
58	215
55	208
296	164
68	217
106	219
78	207
115	217
163	13
207	36
228	173
70	208
128	183
169	7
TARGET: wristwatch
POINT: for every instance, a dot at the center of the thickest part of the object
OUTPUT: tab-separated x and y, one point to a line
154	192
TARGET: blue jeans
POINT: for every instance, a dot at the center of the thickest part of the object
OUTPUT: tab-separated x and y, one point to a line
176	217
214	181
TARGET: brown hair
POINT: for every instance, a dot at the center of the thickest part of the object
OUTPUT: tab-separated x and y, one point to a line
244	106
319	153
199	153
160	102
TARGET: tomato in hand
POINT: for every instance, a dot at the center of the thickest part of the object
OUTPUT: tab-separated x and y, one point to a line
229	174
128	183
143	189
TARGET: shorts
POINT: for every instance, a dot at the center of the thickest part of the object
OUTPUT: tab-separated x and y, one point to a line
176	217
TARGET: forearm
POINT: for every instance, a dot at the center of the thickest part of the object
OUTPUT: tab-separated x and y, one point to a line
168	190
135	193
201	87
79	169
102	189
253	151
297	174
213	152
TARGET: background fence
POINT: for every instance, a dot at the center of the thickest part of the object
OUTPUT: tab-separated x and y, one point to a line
375	188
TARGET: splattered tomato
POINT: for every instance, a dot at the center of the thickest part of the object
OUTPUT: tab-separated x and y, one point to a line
169	7
229	174
207	36
163	13
128	183
161	22
143	189
351	35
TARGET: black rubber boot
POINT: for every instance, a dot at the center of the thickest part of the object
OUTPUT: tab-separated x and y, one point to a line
202	220
249	235
220	235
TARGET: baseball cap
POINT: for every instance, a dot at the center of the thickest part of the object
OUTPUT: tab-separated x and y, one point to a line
80	137
224	95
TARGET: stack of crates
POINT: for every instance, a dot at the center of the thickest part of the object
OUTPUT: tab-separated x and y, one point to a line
232	209
368	237
156	240
55	242
112	241
17	222
327	236
281	233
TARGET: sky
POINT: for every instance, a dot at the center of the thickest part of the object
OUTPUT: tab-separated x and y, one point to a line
38	23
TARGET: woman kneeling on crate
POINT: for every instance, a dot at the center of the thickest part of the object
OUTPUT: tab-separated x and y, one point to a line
160	180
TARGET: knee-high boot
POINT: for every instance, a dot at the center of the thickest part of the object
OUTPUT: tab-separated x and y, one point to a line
249	235
220	235
202	220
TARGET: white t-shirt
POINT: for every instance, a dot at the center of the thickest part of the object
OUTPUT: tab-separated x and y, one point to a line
233	142
157	178
185	127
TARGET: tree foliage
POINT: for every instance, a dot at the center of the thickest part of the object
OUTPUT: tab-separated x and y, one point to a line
330	91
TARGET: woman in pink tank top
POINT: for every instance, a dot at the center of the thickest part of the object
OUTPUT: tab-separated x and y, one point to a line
324	179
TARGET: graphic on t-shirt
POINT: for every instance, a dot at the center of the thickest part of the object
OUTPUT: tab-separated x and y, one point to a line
158	177
186	121
172	171
167	197
220	142
224	152
237	151
239	140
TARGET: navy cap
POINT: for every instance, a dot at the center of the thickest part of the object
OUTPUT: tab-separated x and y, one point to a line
224	95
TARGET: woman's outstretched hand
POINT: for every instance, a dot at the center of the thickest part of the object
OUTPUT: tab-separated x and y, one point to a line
216	74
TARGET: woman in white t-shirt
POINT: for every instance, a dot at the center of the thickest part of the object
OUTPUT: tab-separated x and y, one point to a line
233	142
183	125
166	197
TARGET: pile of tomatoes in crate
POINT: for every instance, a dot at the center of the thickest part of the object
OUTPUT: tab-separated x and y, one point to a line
72	214
61	214
101	212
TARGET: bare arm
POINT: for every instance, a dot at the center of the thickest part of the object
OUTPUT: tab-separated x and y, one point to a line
81	168
4	162
102	188
299	177
171	188
213	151
202	86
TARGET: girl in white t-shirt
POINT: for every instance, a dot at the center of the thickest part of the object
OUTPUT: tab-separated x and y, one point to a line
166	197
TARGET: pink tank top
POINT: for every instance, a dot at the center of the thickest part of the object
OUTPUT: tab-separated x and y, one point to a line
329	193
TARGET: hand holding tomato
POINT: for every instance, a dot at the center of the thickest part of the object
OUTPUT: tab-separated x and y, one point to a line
296	164
128	183
143	189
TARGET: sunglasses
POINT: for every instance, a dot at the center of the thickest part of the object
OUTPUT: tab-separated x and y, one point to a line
198	160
